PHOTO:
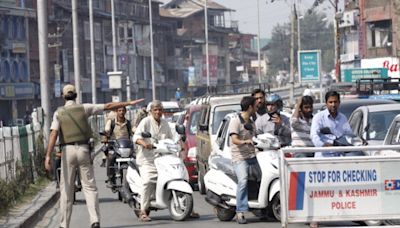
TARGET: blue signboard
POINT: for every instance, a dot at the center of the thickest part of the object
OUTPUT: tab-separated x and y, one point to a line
351	75
309	65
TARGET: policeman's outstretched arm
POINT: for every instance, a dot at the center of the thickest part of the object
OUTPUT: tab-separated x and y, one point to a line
50	147
116	105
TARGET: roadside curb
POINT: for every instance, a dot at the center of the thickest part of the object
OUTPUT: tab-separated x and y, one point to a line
26	214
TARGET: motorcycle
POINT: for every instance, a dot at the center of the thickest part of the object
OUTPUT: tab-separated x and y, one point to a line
264	198
173	190
120	150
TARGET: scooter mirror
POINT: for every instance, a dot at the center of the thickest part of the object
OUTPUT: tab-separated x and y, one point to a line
180	129
146	135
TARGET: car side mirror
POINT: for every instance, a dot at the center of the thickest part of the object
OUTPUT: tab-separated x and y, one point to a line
203	127
146	134
180	129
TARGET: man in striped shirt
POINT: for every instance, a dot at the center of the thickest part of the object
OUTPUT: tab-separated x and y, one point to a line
301	125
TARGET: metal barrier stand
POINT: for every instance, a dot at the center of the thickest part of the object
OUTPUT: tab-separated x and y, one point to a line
340	166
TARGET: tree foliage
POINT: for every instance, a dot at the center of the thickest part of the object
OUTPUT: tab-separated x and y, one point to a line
315	33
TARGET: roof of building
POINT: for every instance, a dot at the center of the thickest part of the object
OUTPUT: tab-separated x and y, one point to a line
186	8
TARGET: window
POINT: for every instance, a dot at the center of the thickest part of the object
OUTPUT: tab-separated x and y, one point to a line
86	29
97	31
219	114
194	120
355	121
179	24
395	135
379	34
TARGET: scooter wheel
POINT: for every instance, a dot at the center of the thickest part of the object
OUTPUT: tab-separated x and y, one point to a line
223	214
185	208
274	208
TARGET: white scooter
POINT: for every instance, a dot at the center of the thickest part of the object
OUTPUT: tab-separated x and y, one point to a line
173	190
264	199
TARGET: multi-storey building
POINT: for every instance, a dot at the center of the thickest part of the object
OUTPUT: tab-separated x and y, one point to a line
369	35
190	49
17	92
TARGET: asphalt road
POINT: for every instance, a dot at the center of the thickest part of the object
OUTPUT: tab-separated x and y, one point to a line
115	214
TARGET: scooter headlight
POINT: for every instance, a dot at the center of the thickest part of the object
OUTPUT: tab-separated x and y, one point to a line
192	153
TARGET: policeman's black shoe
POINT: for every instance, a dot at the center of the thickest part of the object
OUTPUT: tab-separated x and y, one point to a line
103	163
95	225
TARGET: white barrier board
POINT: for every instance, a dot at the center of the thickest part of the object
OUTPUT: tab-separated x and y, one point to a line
336	189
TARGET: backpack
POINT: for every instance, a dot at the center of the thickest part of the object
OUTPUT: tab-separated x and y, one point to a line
128	126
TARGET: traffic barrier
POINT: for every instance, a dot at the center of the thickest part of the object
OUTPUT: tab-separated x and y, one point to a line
358	188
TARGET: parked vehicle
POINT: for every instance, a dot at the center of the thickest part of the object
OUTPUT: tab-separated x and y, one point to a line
264	199
372	121
172	188
213	110
122	151
189	154
348	106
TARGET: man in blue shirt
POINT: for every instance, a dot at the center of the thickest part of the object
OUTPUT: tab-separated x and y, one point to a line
329	118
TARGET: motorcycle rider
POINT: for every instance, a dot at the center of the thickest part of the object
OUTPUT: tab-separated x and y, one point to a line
159	129
243	152
334	120
273	122
117	128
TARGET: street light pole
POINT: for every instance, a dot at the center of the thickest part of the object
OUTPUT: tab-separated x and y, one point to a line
337	45
77	66
206	35
153	81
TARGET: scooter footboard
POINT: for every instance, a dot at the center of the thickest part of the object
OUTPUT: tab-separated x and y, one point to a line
180	185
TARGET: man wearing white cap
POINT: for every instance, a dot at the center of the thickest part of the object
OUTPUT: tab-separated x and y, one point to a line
70	123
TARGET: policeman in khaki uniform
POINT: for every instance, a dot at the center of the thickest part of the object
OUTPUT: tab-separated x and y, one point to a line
70	123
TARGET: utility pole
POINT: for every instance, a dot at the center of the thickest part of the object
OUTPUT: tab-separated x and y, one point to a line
291	79
75	35
258	43
206	35
114	43
92	57
44	65
153	80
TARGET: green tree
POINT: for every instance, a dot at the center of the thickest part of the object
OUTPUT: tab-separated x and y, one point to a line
315	33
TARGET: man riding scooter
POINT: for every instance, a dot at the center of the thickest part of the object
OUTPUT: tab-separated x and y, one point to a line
159	130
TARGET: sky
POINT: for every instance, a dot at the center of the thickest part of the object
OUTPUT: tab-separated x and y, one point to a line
270	13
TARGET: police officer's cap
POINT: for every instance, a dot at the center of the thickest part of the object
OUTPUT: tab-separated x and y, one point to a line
68	89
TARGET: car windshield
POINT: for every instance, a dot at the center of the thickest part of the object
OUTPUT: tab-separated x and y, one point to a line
219	114
194	120
379	123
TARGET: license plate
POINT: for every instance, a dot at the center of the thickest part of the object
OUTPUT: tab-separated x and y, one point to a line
123	159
